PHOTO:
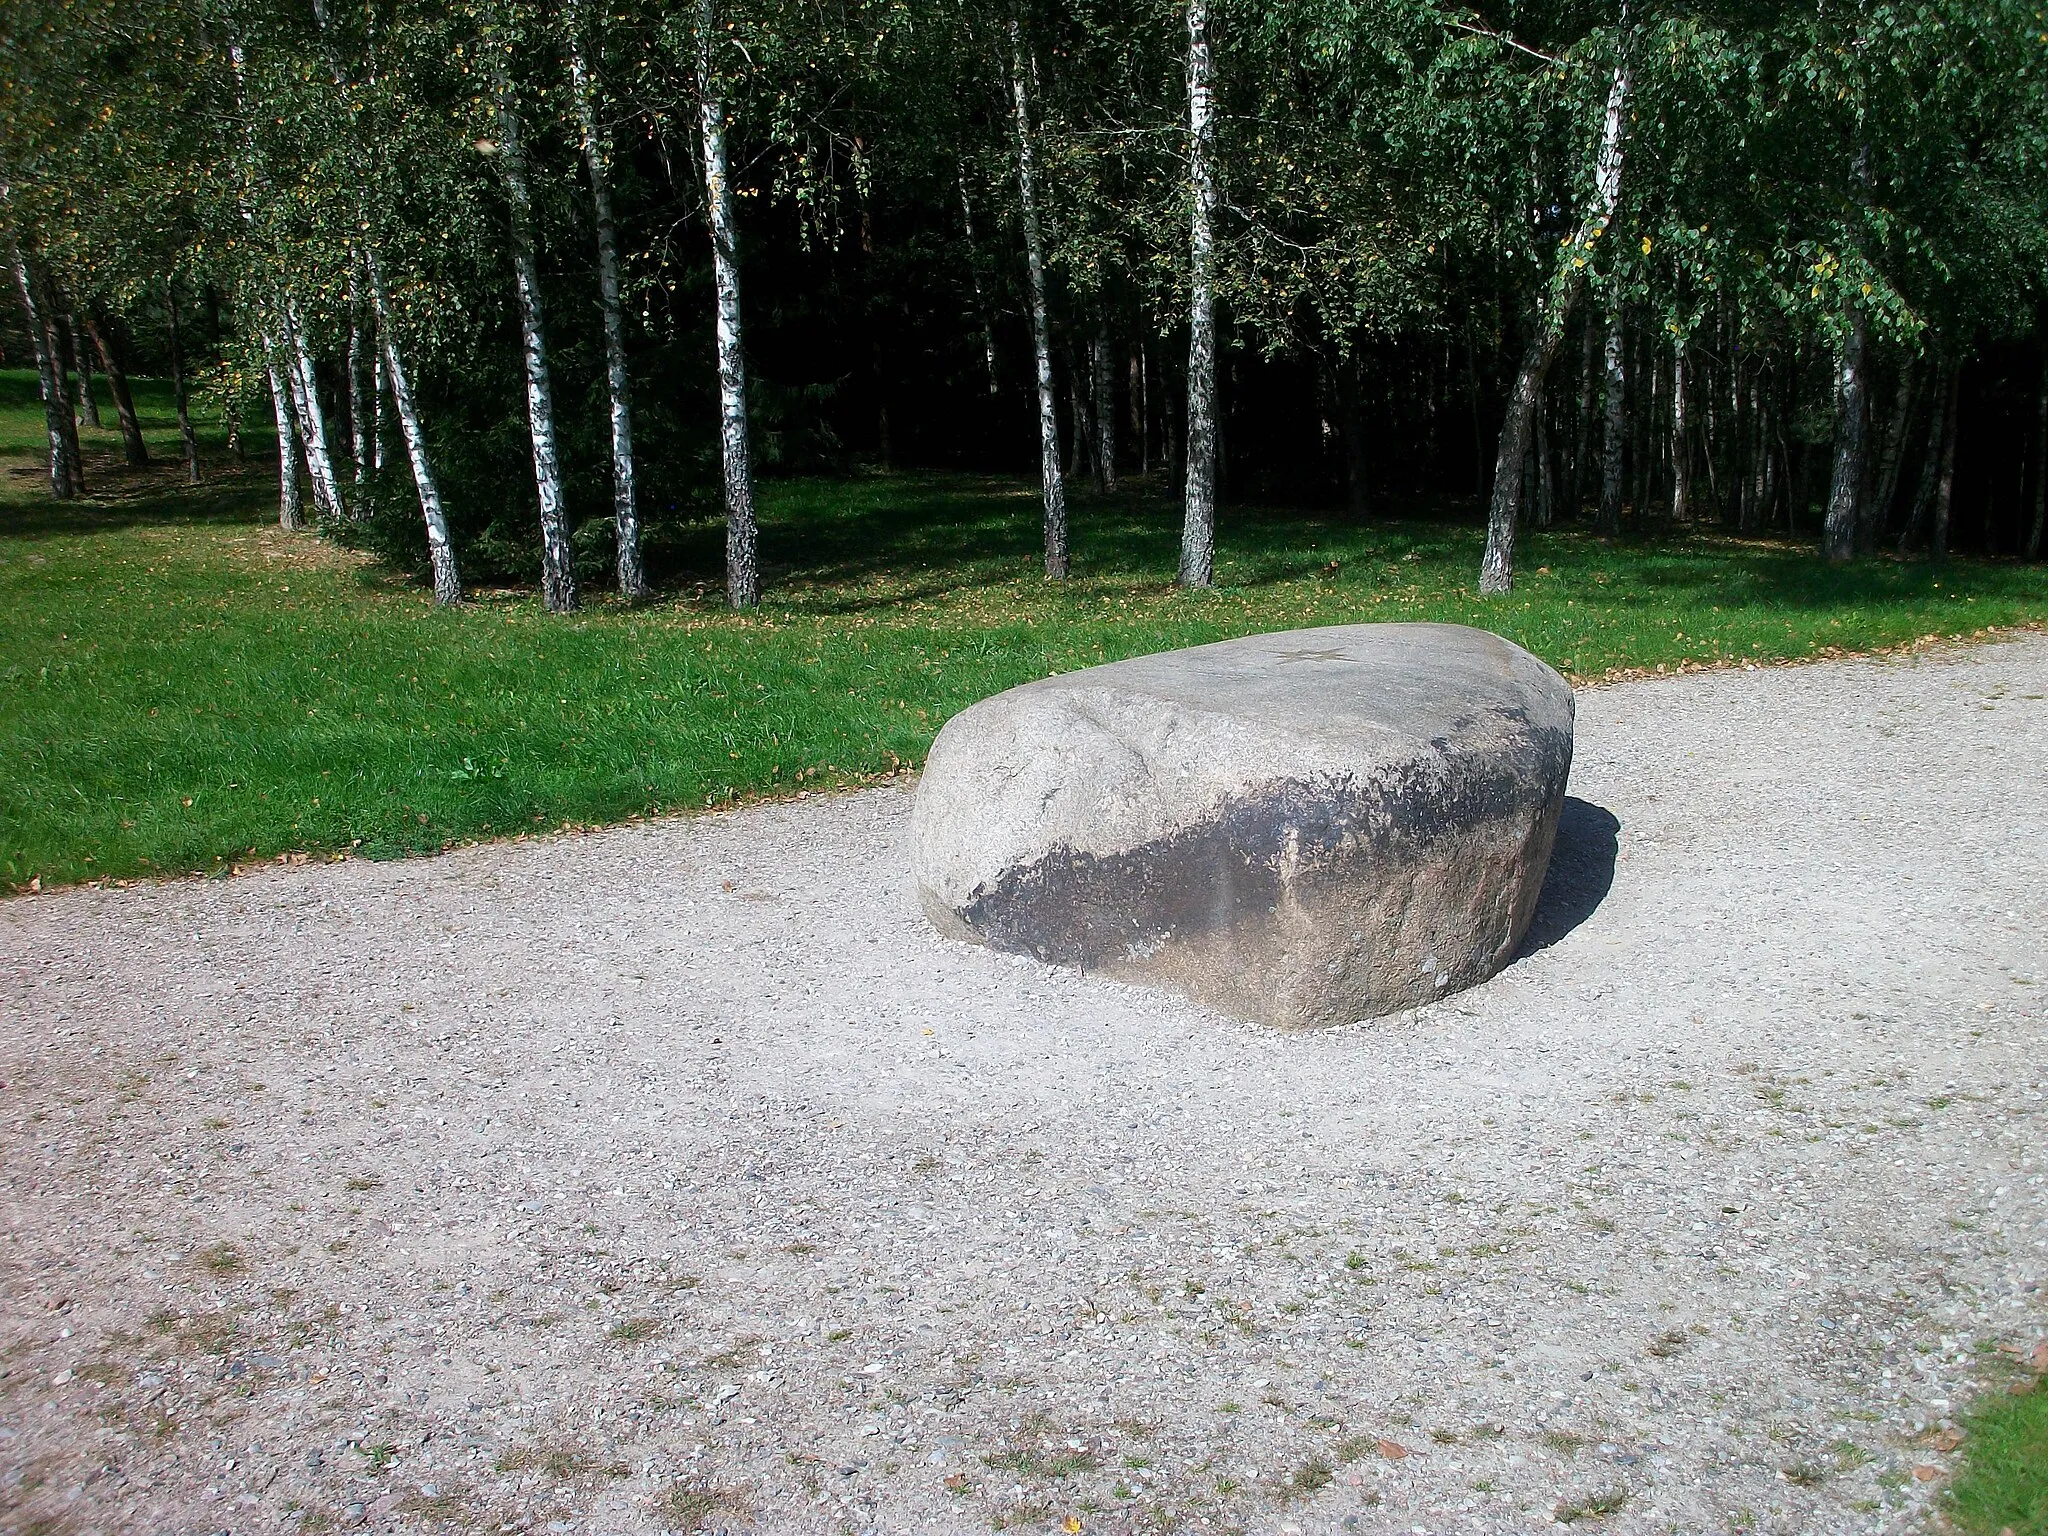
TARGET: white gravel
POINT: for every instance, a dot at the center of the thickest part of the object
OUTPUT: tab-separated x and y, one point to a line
680	1174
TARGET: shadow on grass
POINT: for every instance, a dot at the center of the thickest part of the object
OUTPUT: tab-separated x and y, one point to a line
1696	566
949	532
872	543
120	496
1580	876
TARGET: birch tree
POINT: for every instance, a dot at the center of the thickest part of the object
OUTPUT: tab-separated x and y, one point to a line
1852	421
1681	430
359	409
81	364
1614	428
742	537
597	151
1103	387
1852	412
1553	309
558	566
291	508
65	479
387	362
305	385
133	447
1198	522
440	547
1052	482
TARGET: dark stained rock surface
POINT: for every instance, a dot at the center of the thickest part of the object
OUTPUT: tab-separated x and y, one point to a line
1299	828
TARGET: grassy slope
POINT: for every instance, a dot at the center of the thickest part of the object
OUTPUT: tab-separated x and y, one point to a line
182	685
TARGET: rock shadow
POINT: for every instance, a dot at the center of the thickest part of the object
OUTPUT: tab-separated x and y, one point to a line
1581	873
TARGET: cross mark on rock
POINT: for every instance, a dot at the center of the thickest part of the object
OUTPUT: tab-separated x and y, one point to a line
1314	656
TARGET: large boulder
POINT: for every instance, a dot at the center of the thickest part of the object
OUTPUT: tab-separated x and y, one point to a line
1299	828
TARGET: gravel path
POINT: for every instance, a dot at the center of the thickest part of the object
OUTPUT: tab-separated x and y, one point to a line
679	1175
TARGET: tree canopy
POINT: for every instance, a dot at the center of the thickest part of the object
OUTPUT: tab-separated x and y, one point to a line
1765	261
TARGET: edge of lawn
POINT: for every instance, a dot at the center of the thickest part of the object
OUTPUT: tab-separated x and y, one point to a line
2001	1485
842	782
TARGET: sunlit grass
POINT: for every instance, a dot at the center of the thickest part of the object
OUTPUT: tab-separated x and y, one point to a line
2004	1482
184	687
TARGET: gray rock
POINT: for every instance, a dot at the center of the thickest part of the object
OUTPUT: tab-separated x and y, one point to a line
1299	828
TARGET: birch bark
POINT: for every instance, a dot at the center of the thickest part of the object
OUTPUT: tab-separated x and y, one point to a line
597	155
305	382
61	476
358	403
81	364
1877	510
742	537
291	510
1681	440
1614	441
1198	518
67	418
369	455
558	567
1553	310
440	549
133	448
1105	408
1852	421
1053	484
377	420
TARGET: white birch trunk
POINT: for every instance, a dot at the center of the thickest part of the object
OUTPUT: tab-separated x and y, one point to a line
558	568
133	448
60	379
1852	423
1847	487
1681	439
377	420
742	553
1052	482
81	364
1198	523
60	451
291	510
312	416
358	403
1553	310
1876	511
440	549
1105	409
597	160
1614	359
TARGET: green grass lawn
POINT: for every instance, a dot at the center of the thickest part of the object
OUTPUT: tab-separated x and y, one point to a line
183	686
2004	1482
